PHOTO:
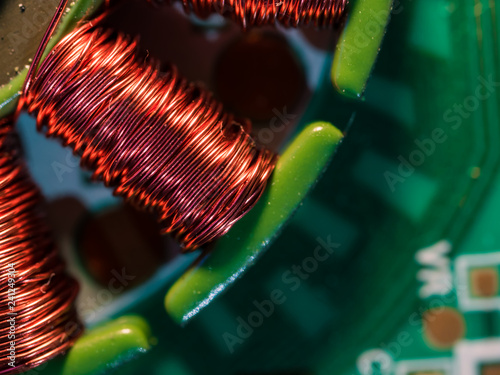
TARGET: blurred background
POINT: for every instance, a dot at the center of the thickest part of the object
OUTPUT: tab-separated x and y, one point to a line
390	266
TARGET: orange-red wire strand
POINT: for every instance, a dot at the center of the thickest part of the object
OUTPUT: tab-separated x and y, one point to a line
288	13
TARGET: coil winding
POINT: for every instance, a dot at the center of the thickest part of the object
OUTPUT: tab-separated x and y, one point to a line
288	13
38	318
165	145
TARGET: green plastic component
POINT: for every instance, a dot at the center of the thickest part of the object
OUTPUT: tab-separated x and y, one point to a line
359	45
105	347
10	92
296	172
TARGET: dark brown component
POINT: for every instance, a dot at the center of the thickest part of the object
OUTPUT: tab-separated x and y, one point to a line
443	327
490	369
258	76
111	239
484	282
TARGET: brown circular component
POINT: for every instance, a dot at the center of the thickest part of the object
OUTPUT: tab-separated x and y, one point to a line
443	327
258	73
490	369
123	239
484	282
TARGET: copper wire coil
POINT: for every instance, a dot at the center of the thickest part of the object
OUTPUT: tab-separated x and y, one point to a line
288	13
46	323
163	144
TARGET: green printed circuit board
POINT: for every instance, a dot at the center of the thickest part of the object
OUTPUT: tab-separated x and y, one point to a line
390	263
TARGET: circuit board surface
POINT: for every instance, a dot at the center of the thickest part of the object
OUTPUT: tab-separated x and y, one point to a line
391	265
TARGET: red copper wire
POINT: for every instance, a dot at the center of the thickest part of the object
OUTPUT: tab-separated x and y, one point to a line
288	13
40	314
164	144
